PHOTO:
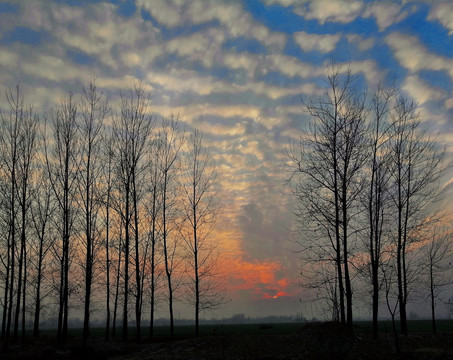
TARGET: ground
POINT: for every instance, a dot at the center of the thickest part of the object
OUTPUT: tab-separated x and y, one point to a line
311	341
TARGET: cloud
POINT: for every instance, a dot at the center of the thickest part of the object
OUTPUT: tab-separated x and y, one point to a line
203	46
442	11
310	42
258	280
291	66
183	80
121	83
196	113
36	16
189	81
230	15
99	30
369	70
362	44
341	11
422	92
235	129
53	68
285	3
263	234
8	59
385	13
248	62
414	56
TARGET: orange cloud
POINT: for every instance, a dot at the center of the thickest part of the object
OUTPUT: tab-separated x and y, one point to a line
260	279
253	279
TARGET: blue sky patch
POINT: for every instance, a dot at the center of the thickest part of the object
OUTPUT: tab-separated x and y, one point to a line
80	58
7	8
126	8
435	78
24	35
276	17
241	44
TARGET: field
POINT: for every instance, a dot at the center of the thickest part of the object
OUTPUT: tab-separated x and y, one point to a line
251	341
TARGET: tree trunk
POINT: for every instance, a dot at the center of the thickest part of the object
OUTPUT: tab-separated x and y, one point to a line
66	269
89	255
337	228
126	263
117	289
61	304
197	280
19	288
107	253
167	268
24	291
153	265
347	279
5	294
38	290
433	302
138	333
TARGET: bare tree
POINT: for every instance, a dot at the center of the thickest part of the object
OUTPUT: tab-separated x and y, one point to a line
392	301
27	150
154	209
42	210
328	163
171	142
376	197
416	166
109	154
437	254
61	161
200	211
94	111
117	275
9	136
132	132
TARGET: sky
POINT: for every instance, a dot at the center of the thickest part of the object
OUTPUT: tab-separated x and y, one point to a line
238	71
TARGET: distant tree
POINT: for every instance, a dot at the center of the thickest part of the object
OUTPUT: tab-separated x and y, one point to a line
437	253
200	211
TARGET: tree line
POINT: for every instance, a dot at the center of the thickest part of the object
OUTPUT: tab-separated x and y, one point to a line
367	179
106	210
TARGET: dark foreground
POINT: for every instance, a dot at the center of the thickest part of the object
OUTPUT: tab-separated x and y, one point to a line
311	341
